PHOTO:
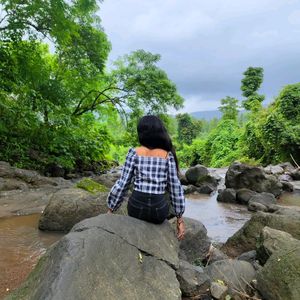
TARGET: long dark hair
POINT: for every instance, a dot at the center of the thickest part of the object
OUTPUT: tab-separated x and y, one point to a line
153	134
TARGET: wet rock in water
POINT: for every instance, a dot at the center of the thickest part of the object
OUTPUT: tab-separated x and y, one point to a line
183	179
271	240
285	177
108	179
287	166
261	202
234	273
196	174
243	195
189	189
227	196
218	291
193	281
279	278
295	174
70	206
108	257
245	239
254	178
196	243
275	170
287	186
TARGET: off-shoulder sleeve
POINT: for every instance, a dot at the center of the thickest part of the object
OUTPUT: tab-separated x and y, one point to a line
118	191
175	188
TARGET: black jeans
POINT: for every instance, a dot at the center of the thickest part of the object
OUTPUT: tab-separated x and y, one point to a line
152	208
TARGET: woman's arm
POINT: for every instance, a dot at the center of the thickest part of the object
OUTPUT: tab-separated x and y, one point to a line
175	188
118	191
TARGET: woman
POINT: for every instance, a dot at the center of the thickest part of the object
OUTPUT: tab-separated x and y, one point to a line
154	168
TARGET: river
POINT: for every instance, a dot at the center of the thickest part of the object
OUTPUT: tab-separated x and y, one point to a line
21	242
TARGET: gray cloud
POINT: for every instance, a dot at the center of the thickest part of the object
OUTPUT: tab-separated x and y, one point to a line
207	45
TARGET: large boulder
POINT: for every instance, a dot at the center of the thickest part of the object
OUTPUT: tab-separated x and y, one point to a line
227	196
271	240
275	170
196	174
108	257
245	239
295	174
193	281
236	274
196	244
70	206
279	278
261	202
254	178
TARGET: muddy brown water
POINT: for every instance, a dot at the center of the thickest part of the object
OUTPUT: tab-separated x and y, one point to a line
21	243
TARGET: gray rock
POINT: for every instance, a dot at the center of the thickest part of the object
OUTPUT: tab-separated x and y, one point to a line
245	239
255	206
271	240
234	273
287	166
183	179
70	206
196	243
196	174
243	195
108	179
227	195
279	278
9	184
263	198
287	186
249	256
295	174
218	291
285	177
189	189
275	170
254	178
193	281
107	257
215	254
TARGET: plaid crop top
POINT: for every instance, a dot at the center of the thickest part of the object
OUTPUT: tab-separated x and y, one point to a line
153	175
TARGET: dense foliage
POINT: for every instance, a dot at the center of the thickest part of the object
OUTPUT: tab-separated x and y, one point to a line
60	104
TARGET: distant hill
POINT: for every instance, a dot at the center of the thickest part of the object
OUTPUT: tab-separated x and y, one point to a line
206	114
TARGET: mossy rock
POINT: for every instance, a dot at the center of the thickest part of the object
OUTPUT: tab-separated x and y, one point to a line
91	186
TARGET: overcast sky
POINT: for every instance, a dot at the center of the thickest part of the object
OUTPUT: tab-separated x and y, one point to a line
207	45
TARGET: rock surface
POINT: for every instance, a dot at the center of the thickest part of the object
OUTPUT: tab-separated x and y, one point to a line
234	273
196	243
218	291
271	240
193	281
279	278
254	178
243	195
108	257
196	174
245	239
227	196
70	206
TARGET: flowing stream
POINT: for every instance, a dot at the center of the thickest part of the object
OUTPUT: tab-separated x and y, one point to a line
21	243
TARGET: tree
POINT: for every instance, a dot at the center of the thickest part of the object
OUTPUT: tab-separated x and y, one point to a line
229	108
253	78
187	128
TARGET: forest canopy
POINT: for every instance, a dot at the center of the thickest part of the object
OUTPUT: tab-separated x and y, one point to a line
61	104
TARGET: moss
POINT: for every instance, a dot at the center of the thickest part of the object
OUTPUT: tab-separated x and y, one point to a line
91	186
